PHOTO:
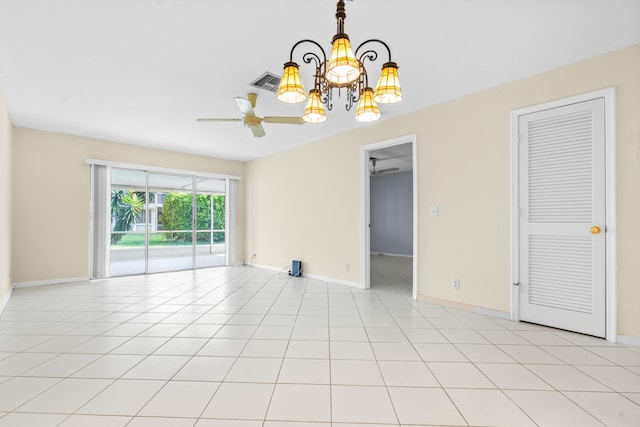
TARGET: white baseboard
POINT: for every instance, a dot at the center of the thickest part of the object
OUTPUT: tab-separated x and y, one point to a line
50	282
310	276
465	307
627	340
332	280
271	268
5	300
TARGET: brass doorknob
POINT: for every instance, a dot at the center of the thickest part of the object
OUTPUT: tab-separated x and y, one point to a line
595	230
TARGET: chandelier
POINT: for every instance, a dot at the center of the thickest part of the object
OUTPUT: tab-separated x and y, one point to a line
344	69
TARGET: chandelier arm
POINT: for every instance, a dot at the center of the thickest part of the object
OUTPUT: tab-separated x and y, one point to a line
374	41
324	55
370	54
311	56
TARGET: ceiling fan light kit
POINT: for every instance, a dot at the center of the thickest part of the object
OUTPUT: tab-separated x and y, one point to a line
388	89
344	69
290	89
314	110
367	110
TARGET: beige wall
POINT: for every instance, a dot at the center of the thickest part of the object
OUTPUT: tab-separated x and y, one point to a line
307	201
304	204
5	201
51	196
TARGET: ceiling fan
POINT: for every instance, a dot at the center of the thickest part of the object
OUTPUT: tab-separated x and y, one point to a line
374	172
249	118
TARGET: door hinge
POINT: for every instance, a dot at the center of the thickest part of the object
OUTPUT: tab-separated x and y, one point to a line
516	284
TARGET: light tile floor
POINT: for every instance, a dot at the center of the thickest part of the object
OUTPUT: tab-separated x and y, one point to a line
244	347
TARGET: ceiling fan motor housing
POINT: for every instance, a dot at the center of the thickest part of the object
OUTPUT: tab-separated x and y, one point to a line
252	120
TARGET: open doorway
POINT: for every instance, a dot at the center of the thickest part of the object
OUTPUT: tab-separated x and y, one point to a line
389	216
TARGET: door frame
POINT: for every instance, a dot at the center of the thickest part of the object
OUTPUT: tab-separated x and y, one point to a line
611	293
366	207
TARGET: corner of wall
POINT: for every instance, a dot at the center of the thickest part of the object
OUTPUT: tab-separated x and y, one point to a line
6	180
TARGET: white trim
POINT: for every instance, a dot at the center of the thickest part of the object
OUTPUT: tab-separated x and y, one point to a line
149	168
414	154
91	217
365	191
366	210
227	224
271	267
515	219
611	213
627	340
465	307
609	96
308	276
50	282
332	280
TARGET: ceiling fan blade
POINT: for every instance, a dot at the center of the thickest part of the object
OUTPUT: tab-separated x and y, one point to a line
394	157
284	120
245	106
220	120
387	170
258	131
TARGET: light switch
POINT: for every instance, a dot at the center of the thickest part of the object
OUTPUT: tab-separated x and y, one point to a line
434	211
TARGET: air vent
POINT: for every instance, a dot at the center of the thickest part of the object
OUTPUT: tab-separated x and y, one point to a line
267	81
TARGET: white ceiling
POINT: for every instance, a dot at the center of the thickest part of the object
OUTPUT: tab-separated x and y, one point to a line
141	71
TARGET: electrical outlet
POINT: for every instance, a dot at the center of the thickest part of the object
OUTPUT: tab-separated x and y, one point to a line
284	253
456	283
347	267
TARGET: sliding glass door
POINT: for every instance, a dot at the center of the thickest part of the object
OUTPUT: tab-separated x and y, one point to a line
128	211
171	225
210	222
166	222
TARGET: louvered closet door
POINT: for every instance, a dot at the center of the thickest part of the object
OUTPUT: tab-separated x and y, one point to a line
561	197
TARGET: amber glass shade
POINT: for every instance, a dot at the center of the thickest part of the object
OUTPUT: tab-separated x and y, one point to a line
343	67
290	89
388	90
314	111
367	110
